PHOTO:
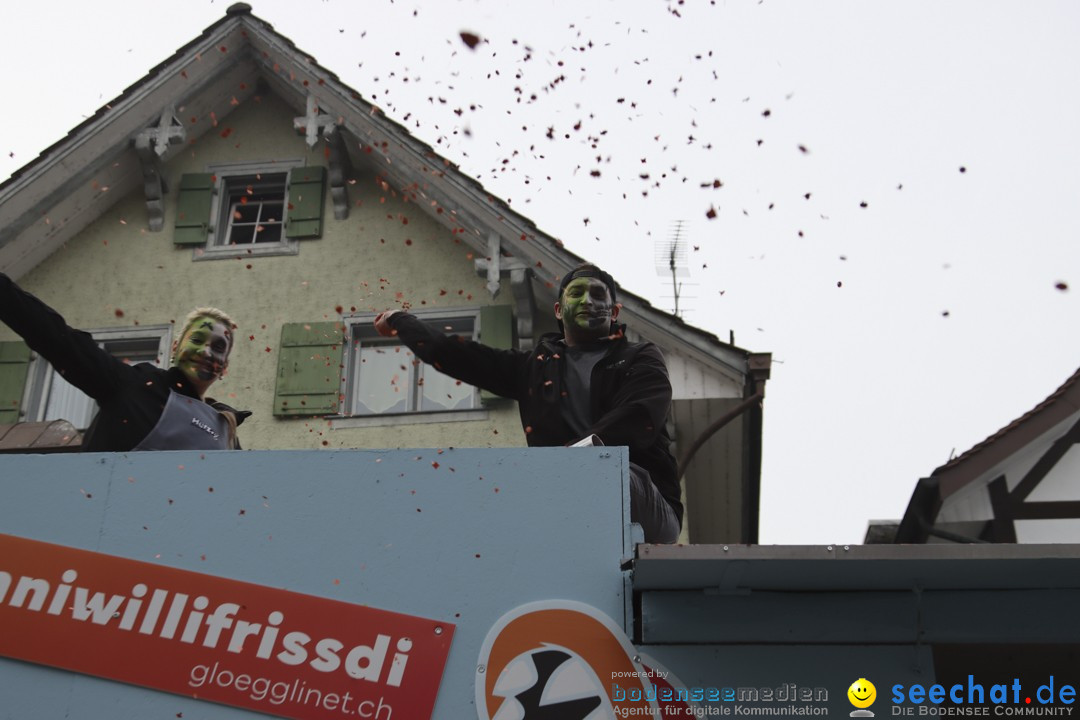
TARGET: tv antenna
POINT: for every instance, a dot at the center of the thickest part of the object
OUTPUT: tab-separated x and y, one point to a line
671	259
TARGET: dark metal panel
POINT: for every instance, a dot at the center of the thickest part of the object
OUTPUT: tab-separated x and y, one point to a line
786	618
856	567
822	618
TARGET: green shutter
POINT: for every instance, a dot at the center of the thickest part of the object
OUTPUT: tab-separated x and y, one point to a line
309	369
14	364
497	331
193	209
306	193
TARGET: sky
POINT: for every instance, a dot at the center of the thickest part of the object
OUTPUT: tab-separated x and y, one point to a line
881	194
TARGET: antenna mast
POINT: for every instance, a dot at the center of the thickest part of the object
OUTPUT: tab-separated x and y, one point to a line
671	258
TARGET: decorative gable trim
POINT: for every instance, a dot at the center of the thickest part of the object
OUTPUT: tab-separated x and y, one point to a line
151	145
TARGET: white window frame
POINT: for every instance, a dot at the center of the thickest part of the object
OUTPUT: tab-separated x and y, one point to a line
41	375
226	173
362	325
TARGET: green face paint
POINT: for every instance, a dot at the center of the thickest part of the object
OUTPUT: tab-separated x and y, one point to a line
586	310
203	351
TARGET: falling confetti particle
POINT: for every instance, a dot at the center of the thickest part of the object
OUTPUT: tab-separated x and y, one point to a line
119	313
471	40
1062	286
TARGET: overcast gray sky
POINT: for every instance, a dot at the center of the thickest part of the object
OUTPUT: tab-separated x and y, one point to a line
896	219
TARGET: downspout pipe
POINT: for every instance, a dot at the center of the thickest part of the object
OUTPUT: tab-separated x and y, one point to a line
759	365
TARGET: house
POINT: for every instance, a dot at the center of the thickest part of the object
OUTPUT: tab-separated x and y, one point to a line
240	173
1020	485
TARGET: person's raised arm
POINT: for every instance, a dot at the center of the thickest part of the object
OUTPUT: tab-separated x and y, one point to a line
73	353
485	367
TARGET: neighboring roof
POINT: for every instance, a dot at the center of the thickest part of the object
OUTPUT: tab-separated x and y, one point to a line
931	493
39	437
53	197
1059	406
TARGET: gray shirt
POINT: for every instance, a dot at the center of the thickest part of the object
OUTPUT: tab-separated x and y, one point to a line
576	406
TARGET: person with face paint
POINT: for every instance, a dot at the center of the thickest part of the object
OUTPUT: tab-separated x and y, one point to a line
588	380
141	406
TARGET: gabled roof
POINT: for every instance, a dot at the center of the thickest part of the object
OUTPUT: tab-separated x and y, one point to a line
1059	406
71	183
933	492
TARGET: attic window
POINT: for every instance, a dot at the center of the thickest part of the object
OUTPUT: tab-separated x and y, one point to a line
250	209
253	208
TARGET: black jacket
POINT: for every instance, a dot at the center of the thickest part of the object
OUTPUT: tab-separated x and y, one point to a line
630	394
131	397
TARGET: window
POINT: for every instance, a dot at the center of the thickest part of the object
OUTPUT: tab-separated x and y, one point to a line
344	370
48	396
383	377
253	209
250	209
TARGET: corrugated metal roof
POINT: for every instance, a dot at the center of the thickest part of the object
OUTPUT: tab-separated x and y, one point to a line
40	437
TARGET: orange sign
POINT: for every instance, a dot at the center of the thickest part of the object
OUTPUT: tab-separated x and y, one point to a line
273	651
562	658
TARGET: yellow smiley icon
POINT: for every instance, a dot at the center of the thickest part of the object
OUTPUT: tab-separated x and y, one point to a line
862	693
